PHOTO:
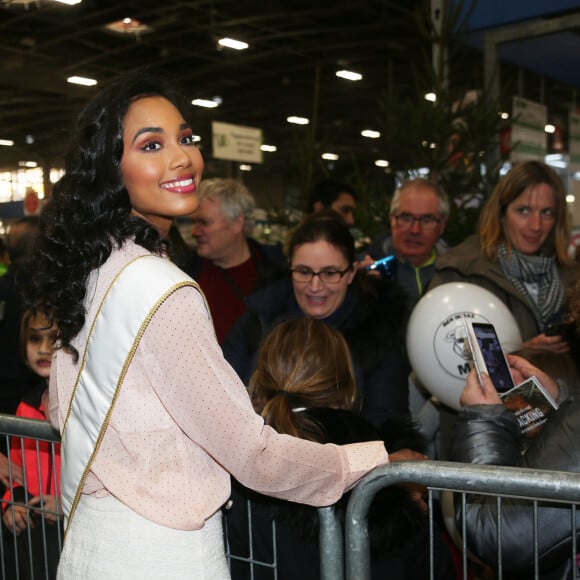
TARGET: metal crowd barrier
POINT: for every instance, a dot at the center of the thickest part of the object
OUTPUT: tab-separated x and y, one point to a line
33	553
343	553
536	486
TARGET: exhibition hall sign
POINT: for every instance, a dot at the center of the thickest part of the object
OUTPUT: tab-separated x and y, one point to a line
236	142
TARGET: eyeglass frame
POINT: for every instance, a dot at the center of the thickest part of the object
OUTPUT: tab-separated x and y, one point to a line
320	273
431	225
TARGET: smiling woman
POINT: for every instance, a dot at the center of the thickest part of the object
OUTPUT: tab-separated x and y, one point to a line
370	313
520	253
147	406
161	166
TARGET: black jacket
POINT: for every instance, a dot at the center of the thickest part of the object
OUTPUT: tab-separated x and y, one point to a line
398	529
372	319
488	434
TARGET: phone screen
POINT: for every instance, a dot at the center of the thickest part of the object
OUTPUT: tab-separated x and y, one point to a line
493	357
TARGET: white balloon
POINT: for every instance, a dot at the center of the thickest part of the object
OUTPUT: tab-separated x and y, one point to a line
435	335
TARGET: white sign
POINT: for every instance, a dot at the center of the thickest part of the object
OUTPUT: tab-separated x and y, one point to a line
528	134
236	143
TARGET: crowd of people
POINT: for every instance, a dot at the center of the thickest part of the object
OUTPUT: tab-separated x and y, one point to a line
241	370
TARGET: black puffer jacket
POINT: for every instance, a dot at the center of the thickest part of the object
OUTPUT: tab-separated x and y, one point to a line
488	434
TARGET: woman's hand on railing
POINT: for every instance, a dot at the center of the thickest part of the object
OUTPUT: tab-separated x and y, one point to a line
406	455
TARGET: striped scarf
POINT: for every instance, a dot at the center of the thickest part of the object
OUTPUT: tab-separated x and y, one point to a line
523	270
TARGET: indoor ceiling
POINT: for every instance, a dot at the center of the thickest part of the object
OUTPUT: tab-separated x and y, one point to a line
295	48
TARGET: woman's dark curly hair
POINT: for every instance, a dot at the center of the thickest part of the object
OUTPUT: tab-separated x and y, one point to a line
89	212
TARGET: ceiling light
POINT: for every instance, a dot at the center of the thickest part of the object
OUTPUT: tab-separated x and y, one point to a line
556	160
269	148
370	133
233	43
504	115
430	97
205	103
28	164
549	128
69	2
128	26
6	142
330	156
245	167
84	81
297	120
349	75
570	198
382	163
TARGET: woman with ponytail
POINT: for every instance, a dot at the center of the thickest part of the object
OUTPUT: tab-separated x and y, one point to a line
304	382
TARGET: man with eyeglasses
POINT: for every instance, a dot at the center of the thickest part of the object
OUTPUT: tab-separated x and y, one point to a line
227	263
418	216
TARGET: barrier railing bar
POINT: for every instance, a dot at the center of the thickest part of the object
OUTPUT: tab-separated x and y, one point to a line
29	428
330	545
558	486
499	559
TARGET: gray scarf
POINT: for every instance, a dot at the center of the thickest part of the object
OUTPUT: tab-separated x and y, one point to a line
521	269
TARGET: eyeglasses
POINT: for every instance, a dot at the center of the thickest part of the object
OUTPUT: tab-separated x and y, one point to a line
327	276
407	220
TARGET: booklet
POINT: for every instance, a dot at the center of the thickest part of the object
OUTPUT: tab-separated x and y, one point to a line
531	404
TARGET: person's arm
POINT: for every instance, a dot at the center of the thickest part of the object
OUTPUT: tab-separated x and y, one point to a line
485	431
554	448
6	470
206	399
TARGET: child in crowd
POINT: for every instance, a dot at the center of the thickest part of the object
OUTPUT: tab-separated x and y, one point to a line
31	512
304	377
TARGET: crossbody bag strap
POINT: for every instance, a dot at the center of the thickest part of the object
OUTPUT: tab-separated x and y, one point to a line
123	315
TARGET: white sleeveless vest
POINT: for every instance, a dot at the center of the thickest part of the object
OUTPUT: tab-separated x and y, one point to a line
123	315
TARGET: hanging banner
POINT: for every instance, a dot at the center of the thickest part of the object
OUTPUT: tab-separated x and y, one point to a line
574	142
528	134
236	143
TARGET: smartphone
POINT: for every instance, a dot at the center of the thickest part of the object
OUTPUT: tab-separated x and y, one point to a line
386	266
487	355
558	329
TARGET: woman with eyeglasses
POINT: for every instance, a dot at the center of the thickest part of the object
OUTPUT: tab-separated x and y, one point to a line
370	313
520	253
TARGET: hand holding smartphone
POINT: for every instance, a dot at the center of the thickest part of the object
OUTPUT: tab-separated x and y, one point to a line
487	356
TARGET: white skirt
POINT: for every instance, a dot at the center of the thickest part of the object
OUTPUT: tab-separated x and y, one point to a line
108	541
